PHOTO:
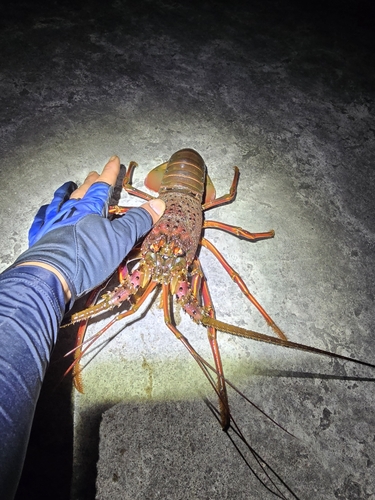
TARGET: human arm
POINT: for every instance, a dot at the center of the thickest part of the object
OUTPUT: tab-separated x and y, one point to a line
65	262
32	304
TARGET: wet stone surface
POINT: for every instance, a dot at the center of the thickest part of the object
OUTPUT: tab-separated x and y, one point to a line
284	92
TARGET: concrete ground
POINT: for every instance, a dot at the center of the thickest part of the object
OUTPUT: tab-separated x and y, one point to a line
286	93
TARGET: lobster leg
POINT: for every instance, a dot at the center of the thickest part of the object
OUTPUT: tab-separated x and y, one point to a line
129	188
201	361
118	317
239	281
116	210
92	298
238	231
212	337
91	301
199	283
168	321
226	198
77	378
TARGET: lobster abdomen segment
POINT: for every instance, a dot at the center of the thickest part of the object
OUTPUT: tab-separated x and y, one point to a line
185	172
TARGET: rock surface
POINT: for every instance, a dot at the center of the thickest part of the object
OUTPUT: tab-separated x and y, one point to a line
286	93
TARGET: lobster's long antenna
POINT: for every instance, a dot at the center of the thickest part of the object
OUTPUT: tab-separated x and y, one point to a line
261	337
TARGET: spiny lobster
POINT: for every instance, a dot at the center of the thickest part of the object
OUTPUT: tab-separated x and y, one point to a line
168	257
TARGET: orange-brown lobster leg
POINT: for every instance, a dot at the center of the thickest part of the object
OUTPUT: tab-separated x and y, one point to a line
129	188
77	378
226	198
116	210
91	300
218	387
168	321
238	231
241	284
212	337
127	185
79	352
199	286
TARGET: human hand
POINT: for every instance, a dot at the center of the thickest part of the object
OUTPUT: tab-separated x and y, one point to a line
73	238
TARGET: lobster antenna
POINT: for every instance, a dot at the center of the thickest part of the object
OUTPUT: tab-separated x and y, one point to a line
261	337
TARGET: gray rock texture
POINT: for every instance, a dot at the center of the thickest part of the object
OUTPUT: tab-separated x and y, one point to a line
284	91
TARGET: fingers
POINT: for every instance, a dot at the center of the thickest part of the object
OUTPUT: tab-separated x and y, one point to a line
81	191
109	176
110	171
155	208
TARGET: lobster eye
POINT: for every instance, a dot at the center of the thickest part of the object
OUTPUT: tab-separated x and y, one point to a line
156	246
178	251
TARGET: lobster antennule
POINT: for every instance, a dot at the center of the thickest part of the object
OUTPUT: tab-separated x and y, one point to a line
251	334
109	301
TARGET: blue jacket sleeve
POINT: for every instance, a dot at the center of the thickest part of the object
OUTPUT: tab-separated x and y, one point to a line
31	309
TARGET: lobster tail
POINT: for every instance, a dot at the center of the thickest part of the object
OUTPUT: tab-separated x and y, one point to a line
185	172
